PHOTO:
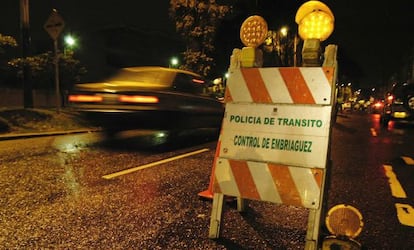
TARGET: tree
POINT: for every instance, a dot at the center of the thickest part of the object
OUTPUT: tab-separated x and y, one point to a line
6	41
280	47
42	69
196	21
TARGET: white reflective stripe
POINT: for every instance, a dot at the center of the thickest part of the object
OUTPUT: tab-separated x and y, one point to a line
264	182
275	85
306	185
238	87
225	178
318	84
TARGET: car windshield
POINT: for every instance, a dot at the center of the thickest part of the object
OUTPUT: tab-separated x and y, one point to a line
150	77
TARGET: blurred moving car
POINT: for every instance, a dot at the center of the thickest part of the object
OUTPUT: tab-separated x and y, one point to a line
148	98
377	106
399	104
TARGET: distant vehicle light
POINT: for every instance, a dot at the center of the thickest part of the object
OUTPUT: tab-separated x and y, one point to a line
85	98
400	115
378	105
138	99
390	98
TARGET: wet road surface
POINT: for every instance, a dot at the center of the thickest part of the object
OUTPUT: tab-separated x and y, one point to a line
54	194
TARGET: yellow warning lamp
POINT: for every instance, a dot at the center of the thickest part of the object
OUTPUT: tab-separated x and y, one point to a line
316	24
344	222
315	20
253	33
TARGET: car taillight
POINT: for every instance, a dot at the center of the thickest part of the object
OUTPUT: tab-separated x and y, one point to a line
390	98
198	81
85	98
138	99
378	105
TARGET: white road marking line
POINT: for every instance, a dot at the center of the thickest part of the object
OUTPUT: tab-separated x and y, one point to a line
396	188
131	170
405	214
373	132
408	160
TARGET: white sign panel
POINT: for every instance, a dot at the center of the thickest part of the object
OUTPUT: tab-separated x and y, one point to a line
288	134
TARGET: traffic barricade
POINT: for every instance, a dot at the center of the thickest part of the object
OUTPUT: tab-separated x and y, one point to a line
274	140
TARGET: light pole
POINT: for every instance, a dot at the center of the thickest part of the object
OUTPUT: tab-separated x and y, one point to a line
281	42
283	45
25	34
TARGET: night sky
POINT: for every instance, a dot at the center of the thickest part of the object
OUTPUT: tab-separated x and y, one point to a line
374	37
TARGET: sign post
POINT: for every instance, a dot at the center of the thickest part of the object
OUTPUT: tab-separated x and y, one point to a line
54	26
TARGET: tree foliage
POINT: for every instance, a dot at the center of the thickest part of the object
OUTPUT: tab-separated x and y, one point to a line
6	41
41	66
196	21
280	48
42	69
7	44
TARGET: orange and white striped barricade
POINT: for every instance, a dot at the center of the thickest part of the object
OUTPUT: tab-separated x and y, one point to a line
274	140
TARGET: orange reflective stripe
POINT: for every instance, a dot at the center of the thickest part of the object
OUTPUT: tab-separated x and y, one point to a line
329	73
227	96
296	85
216	186
244	179
318	175
256	85
285	185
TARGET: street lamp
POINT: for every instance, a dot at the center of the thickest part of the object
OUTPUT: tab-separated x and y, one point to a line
173	62
316	24
284	31
70	41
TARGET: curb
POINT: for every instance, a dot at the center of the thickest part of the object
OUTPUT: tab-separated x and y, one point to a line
14	136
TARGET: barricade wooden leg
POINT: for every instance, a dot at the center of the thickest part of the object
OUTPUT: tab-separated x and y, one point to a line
215	220
312	233
241	204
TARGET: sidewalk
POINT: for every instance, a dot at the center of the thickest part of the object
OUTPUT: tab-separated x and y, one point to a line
16	123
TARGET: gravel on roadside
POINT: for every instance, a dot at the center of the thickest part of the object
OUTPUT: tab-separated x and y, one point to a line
21	120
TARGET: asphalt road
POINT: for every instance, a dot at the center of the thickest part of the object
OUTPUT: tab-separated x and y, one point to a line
72	191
